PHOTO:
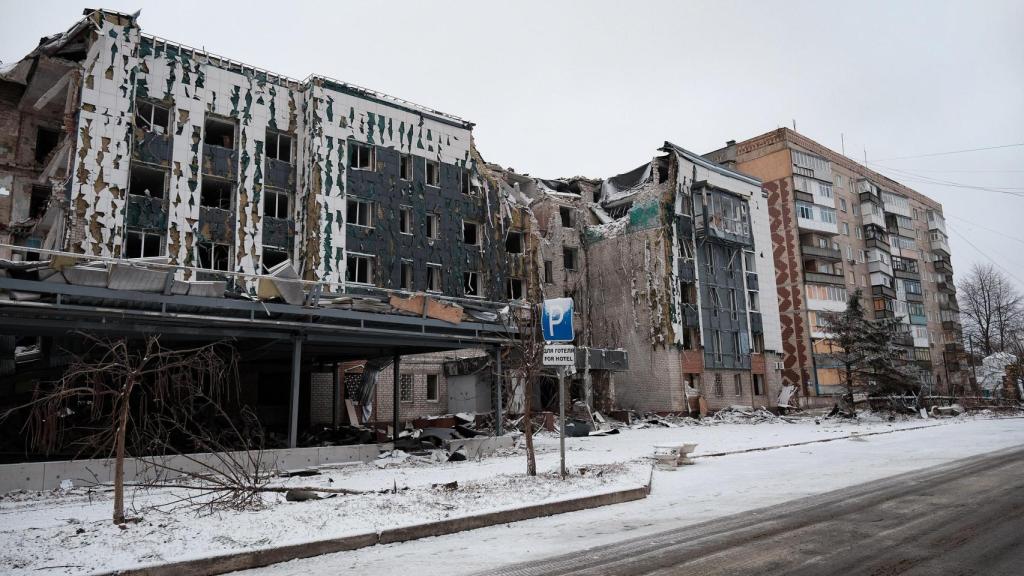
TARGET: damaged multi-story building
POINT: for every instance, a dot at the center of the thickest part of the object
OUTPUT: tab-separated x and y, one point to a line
837	227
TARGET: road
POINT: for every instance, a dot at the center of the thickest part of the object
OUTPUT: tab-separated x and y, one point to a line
962	518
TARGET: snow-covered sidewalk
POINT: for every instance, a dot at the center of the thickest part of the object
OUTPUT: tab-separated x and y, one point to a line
70	532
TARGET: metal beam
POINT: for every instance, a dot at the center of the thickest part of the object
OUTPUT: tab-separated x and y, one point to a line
499	428
293	415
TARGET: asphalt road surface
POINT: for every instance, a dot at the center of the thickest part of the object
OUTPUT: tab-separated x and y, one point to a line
962	518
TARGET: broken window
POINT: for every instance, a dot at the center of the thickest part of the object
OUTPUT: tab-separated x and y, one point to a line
151	117
753	301
471	284
433	173
273	256
360	156
757	343
465	182
39	200
515	289
514	243
750	262
358	213
405	280
405	166
279	146
433	226
569	258
732	302
686	250
433	277
688	292
736	345
275	203
565	213
216	193
549	272
758	383
718	385
405	220
715	300
219	132
141	244
432	388
213	256
46	141
405	387
709	253
145	181
737	382
469	233
359	269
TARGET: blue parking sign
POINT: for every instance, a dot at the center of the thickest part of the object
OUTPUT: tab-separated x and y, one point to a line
556	320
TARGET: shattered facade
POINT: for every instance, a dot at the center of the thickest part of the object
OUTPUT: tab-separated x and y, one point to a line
838	226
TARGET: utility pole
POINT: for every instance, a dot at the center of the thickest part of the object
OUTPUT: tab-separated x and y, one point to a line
561	418
974	370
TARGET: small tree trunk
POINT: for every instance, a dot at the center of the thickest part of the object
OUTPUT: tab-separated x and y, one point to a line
849	388
122	428
531	459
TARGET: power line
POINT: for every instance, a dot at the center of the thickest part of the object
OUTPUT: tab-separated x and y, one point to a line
951	152
924	179
1003	234
985	254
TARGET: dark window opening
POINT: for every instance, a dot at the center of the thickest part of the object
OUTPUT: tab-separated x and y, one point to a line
151	118
405	220
565	213
471	284
758	384
405	167
139	244
279	146
46	141
272	257
514	289
549	272
358	213
514	243
406	276
465	182
432	393
469	233
146	182
688	292
219	133
569	258
216	194
433	278
433	226
359	269
360	156
39	200
433	173
275	204
213	256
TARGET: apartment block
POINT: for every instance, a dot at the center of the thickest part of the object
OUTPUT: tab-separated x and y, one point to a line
838	226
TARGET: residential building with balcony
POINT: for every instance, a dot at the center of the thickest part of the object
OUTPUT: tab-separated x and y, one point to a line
838	226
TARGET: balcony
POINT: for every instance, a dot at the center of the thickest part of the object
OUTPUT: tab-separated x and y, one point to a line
879	243
872	219
812	225
823	278
914	297
937	223
880	266
951	326
756	325
940	246
691	316
954	348
221	162
918	319
905	339
949	304
822	253
943	266
884	291
728	361
947	287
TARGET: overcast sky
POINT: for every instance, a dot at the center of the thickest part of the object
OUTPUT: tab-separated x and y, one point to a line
595	87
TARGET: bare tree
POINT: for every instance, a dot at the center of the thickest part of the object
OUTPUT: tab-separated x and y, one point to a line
991	307
526	353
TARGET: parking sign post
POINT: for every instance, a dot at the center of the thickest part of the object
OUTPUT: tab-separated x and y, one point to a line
557	326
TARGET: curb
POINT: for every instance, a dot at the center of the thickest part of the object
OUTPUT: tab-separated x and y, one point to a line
264	557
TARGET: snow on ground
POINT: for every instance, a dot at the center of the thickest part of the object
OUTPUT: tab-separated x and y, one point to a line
70	531
712	488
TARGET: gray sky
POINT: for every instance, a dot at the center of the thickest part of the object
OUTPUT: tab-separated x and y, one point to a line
593	88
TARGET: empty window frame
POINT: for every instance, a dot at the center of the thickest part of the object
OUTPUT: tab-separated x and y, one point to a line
736	344
471	285
470	233
569	258
718	386
737	382
46	141
732	302
405	383
279	146
549	272
213	256
405	275
216	193
404	220
405	166
432	172
276	203
757	343
146	181
272	256
716	345
142	244
151	117
219	132
39	201
359	269
433	226
753	301
514	289
432	387
433	277
565	215
360	156
514	242
359	212
466	182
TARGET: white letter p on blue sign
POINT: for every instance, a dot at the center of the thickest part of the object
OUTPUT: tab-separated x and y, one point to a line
556	320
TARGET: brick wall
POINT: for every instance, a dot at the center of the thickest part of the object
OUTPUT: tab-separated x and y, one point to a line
418	366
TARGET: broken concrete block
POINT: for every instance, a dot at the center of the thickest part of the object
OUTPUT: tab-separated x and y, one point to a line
283	284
